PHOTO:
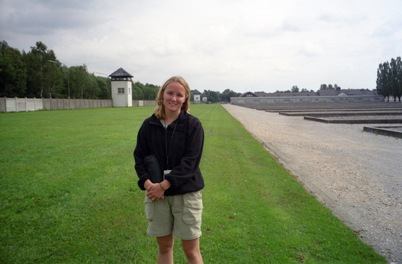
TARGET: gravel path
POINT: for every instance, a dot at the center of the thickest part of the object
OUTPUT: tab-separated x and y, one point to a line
358	175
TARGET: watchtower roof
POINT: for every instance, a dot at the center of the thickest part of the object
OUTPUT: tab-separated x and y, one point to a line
120	73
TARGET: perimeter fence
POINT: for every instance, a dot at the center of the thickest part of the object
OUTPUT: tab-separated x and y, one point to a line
35	104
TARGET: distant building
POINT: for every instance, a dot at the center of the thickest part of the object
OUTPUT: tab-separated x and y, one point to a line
121	88
248	94
261	99
197	96
330	92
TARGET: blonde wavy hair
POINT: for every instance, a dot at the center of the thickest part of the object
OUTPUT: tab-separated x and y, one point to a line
160	108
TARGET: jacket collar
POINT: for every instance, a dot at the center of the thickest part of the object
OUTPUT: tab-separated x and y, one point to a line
182	116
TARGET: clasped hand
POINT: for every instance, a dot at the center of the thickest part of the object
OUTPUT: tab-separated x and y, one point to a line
154	191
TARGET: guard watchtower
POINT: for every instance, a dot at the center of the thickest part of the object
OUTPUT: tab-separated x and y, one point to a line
121	88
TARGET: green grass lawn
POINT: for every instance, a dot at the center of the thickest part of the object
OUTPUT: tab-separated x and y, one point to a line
69	194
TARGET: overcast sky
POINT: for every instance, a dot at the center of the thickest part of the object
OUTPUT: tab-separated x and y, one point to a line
242	45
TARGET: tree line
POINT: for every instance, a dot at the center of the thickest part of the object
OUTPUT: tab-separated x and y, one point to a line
149	91
38	73
389	79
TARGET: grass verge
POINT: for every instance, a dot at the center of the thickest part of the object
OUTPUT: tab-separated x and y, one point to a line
69	195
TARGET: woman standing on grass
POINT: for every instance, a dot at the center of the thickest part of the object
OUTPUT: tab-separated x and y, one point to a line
173	203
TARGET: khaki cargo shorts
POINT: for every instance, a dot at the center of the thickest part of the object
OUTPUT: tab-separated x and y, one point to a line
178	214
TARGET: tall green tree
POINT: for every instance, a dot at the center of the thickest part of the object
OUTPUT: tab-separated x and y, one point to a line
55	73
323	87
12	72
104	87
144	91
91	90
295	89
389	79
41	73
328	87
382	86
138	91
62	79
150	91
399	77
79	81
395	78
212	96
226	94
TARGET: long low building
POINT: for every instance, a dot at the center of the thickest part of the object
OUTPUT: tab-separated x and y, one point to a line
258	102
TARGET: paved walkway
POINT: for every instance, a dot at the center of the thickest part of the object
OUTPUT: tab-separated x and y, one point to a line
358	175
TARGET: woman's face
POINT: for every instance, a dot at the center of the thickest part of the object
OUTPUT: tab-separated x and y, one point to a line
173	97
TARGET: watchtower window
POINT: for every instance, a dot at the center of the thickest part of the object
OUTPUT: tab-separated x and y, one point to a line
120	90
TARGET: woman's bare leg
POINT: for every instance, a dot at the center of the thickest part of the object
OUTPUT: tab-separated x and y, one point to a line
165	249
192	251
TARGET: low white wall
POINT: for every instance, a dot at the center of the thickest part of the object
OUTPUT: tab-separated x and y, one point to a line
21	104
35	104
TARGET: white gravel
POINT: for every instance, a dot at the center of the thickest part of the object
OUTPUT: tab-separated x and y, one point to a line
358	175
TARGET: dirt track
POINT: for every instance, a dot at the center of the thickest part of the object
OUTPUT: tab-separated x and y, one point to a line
358	175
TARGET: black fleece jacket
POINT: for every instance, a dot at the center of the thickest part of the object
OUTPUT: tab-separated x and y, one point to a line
178	148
